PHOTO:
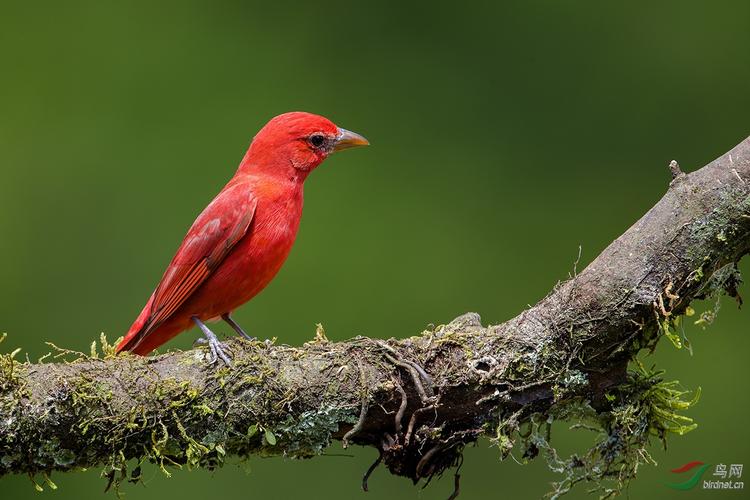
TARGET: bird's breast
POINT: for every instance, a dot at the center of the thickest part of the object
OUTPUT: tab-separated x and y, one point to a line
272	232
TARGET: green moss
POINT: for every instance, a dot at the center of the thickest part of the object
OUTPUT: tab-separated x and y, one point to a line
9	367
310	434
668	327
570	382
12	391
645	407
657	402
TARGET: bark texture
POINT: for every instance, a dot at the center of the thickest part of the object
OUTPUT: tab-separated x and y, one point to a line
420	400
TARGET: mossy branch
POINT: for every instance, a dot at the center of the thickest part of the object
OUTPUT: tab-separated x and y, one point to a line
418	401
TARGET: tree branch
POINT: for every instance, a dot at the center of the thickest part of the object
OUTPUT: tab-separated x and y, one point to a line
418	401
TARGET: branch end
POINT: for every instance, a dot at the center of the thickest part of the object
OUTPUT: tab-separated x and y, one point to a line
675	169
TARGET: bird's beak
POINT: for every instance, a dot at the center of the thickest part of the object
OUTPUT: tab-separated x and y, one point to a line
347	139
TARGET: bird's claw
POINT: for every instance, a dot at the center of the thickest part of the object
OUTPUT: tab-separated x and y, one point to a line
215	346
218	352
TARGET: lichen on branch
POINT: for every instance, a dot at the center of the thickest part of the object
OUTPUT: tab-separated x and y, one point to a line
418	401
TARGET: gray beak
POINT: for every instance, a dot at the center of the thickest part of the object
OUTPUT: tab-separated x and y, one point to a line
347	139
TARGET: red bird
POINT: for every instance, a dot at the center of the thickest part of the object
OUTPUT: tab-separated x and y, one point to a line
239	242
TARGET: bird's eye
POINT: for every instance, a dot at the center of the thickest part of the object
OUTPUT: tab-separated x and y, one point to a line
317	140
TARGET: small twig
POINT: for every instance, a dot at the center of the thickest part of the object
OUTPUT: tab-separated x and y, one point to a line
362	412
674	167
387	442
425	376
426	458
401	409
575	263
413	421
370	470
414	375
457	480
671	296
395	358
660	304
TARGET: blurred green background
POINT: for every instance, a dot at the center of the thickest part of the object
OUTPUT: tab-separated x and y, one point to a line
504	135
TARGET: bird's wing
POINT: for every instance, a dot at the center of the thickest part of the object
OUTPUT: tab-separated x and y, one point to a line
210	239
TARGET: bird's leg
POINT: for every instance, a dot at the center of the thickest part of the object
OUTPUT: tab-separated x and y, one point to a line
237	328
217	348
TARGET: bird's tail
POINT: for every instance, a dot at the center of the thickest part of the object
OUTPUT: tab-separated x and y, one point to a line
135	333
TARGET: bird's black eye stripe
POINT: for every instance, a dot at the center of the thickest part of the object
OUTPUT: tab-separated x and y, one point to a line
317	140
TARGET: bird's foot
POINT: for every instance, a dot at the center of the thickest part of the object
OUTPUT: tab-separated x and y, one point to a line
235	326
215	346
218	352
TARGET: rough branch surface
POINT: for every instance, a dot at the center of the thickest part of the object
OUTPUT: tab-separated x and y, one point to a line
418	401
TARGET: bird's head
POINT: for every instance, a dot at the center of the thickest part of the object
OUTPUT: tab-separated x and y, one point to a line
293	144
